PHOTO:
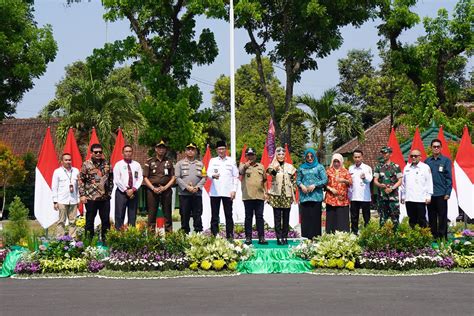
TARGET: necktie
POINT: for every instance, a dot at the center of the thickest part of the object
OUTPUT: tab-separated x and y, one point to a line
130	176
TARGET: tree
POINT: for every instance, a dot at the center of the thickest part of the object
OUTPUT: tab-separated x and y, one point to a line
25	50
439	57
326	118
164	49
106	103
252	113
295	33
12	171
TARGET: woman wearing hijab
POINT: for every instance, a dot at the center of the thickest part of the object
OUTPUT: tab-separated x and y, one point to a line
311	180
337	200
281	194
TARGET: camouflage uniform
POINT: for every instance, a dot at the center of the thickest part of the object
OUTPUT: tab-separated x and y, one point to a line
388	203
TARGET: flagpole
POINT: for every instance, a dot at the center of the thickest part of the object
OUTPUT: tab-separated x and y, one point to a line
232	82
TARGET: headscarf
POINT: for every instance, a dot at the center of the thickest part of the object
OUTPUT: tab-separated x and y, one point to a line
306	164
275	162
339	157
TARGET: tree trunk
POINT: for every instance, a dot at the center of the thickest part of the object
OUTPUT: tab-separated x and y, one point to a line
263	83
4	199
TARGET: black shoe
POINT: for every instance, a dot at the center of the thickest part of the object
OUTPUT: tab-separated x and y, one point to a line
279	242
284	241
248	241
262	241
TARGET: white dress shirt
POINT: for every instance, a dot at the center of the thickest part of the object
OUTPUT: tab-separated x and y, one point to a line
417	183
228	175
360	188
62	179
121	175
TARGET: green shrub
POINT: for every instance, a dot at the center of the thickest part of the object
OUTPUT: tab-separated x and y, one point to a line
133	239
404	238
16	231
176	243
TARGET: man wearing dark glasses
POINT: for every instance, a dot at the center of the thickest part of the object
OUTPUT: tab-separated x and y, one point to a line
95	188
442	185
416	189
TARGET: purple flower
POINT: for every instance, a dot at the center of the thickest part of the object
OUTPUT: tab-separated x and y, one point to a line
65	238
467	233
23	267
95	266
79	244
66	248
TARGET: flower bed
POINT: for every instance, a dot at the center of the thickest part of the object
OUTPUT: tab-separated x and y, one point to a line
463	249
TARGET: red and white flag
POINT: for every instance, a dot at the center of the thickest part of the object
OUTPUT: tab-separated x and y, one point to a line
114	158
47	163
206	214
453	211
417	144
94	140
71	148
464	169
397	157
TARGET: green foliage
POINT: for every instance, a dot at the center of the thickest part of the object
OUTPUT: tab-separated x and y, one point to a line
17	230
176	243
25	48
25	188
62	248
63	265
296	33
406	239
133	240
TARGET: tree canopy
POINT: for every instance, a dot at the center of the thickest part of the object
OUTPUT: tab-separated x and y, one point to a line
25	50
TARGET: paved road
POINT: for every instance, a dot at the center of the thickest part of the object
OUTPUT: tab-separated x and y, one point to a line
302	294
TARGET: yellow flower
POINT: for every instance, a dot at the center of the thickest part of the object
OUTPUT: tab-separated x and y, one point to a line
232	266
218	264
80	222
194	266
340	263
332	263
206	265
350	265
313	263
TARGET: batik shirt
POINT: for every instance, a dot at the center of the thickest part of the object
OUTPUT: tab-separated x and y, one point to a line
95	183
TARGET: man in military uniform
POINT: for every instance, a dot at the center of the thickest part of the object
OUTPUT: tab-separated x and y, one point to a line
158	175
253	195
190	177
388	177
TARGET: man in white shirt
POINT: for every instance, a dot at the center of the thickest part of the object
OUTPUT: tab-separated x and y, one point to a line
128	177
417	188
65	195
224	174
359	191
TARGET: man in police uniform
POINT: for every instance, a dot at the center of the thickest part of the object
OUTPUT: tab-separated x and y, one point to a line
416	189
158	175
253	195
190	177
388	177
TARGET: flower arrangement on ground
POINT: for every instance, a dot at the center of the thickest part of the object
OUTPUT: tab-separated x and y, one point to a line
335	251
216	253
463	249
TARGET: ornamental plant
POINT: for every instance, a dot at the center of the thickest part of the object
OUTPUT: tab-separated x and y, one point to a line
339	250
64	247
463	249
60	265
398	260
134	239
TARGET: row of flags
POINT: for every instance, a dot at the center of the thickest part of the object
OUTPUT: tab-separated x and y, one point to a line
48	162
463	167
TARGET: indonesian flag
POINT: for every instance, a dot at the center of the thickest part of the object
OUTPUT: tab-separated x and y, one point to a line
397	157
464	168
242	158
206	206
47	163
114	158
71	148
265	161
205	161
417	144
94	140
294	213
453	207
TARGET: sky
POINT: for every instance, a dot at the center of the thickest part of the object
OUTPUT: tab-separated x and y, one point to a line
79	28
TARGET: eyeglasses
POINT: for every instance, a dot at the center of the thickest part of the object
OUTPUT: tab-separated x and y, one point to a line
414	156
309	156
97	152
436	146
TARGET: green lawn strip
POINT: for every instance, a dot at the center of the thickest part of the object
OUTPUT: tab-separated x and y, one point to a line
389	272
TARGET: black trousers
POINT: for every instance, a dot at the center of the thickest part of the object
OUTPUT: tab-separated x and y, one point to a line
122	203
254	207
416	212
355	207
191	205
337	218
310	219
229	221
103	207
164	199
282	222
438	217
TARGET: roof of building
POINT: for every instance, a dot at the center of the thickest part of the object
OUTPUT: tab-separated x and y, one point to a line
375	137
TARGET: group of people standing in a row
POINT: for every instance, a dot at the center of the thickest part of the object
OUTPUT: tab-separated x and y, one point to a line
344	191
